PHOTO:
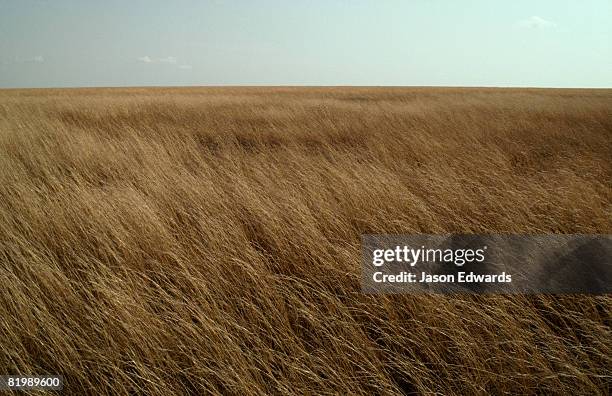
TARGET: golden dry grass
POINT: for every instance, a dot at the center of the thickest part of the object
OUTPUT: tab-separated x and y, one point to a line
172	241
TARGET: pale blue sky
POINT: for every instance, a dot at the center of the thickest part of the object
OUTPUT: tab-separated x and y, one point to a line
547	43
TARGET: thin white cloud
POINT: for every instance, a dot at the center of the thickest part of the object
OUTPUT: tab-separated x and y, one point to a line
535	22
18	59
168	59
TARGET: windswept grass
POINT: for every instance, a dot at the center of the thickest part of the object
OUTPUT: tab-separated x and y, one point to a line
172	241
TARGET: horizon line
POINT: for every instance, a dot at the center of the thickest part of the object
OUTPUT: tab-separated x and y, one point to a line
300	86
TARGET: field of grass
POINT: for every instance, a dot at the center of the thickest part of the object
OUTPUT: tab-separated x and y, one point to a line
207	240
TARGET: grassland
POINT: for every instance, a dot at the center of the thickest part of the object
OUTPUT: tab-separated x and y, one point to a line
172	241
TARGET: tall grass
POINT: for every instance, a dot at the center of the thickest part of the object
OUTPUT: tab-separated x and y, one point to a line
172	241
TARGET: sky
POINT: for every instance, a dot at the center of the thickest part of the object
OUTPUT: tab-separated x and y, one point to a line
527	43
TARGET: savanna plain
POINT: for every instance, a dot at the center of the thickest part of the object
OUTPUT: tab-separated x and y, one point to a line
166	241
